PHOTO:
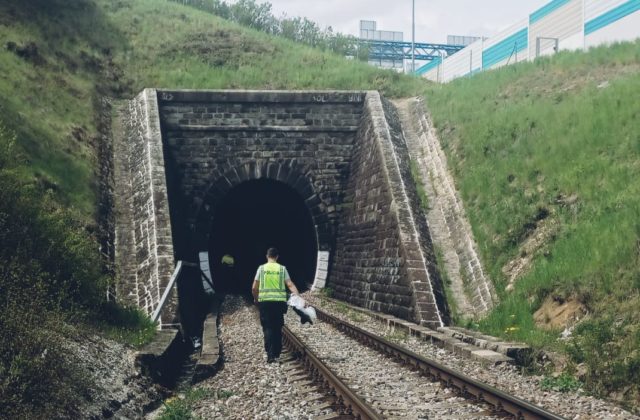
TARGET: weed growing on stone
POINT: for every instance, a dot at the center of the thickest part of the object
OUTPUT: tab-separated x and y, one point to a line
417	179
181	407
342	308
562	383
223	394
396	335
356	316
446	281
326	292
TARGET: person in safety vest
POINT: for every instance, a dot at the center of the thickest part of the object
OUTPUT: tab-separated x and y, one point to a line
270	292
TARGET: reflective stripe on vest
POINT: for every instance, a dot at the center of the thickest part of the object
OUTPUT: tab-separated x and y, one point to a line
272	284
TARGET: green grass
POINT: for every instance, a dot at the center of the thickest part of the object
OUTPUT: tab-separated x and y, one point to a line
422	194
556	138
185	48
90	48
126	325
181	407
47	96
549	137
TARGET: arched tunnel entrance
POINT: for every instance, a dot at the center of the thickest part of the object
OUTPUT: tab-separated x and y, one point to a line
252	217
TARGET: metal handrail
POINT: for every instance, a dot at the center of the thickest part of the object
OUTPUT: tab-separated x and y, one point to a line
156	313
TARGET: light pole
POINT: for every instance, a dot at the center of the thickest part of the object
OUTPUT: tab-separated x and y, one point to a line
413	37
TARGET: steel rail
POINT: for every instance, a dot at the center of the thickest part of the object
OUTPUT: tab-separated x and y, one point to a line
349	402
466	386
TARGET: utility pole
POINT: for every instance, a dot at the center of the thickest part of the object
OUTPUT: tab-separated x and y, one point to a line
413	37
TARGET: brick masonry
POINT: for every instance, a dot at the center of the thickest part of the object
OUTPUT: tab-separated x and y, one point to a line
336	149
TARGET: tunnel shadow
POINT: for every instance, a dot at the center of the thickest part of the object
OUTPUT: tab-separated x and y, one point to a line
249	219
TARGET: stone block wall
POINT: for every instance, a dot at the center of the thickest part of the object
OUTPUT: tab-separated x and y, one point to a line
383	262
214	140
144	244
181	151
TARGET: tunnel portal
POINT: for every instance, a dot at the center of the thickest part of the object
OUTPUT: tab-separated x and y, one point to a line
250	218
322	175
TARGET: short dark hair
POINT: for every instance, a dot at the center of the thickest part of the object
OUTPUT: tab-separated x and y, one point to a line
272	252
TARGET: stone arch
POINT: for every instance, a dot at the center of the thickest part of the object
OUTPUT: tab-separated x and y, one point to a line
298	177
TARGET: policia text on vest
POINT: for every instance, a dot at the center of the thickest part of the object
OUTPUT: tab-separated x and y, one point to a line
271	295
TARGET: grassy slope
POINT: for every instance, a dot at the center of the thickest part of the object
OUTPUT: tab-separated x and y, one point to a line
57	58
185	48
91	47
561	135
47	95
492	125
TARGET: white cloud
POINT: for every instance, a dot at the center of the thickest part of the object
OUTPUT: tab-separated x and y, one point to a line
435	19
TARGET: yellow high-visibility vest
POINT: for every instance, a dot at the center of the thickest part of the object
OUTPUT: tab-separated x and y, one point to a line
272	287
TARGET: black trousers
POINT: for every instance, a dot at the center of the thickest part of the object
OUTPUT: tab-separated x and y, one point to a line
272	320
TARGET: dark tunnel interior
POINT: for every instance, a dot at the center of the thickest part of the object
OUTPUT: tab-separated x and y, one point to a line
252	217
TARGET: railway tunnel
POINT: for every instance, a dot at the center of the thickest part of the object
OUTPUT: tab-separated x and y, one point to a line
321	175
250	218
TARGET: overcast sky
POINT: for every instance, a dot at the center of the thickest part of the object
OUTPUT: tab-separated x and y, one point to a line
435	19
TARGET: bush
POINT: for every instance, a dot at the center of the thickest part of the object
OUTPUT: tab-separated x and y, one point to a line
36	378
50	274
609	349
259	16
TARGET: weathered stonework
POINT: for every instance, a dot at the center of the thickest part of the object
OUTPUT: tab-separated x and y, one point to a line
470	286
381	262
336	149
216	140
144	244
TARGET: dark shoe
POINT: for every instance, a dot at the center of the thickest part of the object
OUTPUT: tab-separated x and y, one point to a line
271	359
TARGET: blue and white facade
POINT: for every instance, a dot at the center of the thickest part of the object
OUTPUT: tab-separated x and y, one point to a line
559	25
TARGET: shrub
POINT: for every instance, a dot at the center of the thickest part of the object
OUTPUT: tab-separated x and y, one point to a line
608	348
50	274
562	383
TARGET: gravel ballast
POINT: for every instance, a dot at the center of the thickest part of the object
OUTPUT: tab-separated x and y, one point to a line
572	405
247	387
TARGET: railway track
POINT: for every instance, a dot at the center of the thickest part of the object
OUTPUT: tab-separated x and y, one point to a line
343	400
380	389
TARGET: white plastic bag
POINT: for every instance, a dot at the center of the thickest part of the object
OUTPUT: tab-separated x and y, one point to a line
297	302
310	312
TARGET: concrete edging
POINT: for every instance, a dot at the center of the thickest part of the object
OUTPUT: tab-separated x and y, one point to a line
486	349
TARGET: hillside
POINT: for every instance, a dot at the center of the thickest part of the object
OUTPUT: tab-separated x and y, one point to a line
545	154
62	63
547	157
59	57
